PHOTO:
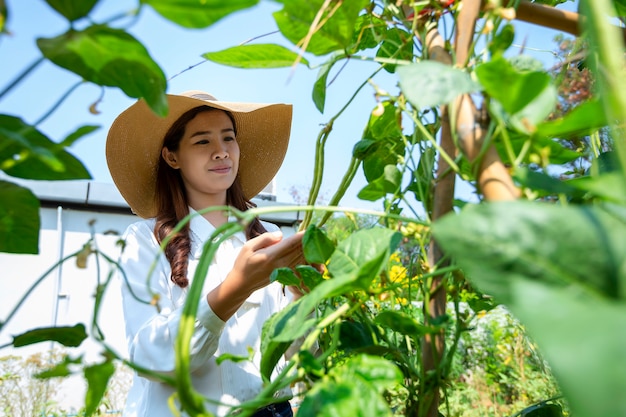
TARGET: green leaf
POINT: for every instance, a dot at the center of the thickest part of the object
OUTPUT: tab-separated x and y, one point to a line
319	87
19	219
388	183
539	241
397	44
502	40
285	276
355	390
368	32
311	277
403	323
28	153
65	335
542	182
582	120
281	329
363	255
343	399
562	272
429	84
317	247
60	369
296	18
609	186
72	10
255	56
78	134
354	335
379	373
109	57
196	14
4	14
528	97
97	377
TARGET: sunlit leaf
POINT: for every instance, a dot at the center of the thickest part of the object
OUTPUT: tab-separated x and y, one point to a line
429	84
296	18
19	219
317	247
67	336
28	153
397	44
388	183
528	97
562	272
363	254
109	57
198	14
582	120
97	377
255	56
71	9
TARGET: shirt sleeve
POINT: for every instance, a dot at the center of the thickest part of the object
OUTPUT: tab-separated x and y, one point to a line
150	331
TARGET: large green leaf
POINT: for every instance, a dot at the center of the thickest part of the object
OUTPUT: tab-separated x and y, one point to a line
255	56
355	389
19	219
109	57
363	255
72	9
336	33
67	336
539	241
430	84
197	14
528	97
562	272
28	153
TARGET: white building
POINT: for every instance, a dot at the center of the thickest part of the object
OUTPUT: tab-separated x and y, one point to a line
71	213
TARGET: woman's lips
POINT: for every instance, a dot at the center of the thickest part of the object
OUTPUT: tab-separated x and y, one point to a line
220	170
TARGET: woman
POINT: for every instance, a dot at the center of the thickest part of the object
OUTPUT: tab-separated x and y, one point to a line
205	153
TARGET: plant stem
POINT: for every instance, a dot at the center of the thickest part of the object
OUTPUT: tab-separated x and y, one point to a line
20	77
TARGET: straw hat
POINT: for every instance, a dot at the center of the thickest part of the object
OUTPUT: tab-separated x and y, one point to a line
136	136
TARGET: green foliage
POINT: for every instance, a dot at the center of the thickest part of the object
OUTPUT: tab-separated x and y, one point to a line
555	258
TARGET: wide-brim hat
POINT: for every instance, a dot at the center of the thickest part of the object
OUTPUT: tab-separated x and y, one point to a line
135	140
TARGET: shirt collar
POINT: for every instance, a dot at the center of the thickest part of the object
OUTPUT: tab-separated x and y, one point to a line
203	229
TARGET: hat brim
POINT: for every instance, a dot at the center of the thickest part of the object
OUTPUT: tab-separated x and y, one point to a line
135	140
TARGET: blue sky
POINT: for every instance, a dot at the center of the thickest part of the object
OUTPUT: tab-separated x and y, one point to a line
175	49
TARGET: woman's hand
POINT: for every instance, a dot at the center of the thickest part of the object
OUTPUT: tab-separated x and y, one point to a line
252	269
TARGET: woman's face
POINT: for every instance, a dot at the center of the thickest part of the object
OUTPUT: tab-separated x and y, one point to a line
207	157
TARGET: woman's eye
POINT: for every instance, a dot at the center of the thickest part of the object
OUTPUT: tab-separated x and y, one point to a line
202	142
229	138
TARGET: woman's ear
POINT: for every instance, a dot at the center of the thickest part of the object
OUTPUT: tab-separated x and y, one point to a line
170	157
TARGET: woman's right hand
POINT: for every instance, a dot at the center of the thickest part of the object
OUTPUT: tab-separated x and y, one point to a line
252	269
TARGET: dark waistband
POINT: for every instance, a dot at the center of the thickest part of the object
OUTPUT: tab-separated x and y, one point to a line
272	410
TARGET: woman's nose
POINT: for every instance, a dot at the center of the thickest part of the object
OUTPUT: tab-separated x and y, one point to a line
220	152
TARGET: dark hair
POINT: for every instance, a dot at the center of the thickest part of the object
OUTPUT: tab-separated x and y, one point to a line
172	203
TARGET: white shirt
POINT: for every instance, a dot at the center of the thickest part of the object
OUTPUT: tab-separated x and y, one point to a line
151	335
